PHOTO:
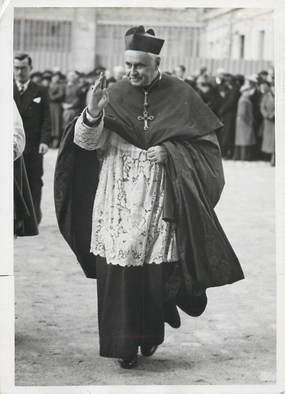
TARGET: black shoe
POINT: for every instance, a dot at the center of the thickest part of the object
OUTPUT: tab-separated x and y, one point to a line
128	363
148	350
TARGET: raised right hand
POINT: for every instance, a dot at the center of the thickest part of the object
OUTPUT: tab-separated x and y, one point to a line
98	98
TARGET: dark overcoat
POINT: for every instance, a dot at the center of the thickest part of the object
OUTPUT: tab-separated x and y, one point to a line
227	113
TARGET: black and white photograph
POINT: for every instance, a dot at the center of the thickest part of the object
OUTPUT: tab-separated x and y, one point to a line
143	205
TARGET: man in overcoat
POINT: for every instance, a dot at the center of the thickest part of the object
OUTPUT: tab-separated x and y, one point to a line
32	102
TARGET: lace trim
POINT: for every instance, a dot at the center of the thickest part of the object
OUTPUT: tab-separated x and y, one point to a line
89	138
137	264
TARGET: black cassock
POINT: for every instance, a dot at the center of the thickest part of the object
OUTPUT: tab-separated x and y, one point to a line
134	302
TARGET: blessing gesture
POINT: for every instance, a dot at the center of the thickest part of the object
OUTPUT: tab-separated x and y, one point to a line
99	97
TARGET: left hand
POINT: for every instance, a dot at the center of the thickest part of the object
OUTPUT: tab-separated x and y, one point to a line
43	149
157	154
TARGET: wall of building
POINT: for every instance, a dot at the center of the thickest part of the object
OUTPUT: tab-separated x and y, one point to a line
223	34
97	35
82	38
142	15
73	28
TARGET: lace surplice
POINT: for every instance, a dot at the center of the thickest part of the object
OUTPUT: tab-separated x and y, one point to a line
127	225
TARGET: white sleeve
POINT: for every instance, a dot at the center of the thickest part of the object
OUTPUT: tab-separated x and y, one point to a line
87	137
19	138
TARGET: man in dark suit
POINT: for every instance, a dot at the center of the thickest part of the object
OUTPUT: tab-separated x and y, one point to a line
255	99
227	113
33	105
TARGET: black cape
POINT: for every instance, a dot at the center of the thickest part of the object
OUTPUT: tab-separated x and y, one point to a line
186	127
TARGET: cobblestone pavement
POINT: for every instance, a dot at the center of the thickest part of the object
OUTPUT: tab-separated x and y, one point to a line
233	342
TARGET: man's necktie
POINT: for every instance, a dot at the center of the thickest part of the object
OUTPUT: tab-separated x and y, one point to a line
21	89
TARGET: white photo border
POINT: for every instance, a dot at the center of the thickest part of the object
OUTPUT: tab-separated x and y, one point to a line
7	351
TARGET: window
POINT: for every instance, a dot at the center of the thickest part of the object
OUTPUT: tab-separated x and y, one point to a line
261	44
39	35
242	41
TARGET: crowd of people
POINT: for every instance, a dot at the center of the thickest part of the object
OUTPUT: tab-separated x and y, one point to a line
49	100
245	105
68	94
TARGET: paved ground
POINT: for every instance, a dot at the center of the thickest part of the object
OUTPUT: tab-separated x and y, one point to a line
232	343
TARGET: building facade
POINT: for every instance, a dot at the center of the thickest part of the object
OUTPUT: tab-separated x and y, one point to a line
238	33
83	38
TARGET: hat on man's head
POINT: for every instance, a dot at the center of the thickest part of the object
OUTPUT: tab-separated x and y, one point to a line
137	39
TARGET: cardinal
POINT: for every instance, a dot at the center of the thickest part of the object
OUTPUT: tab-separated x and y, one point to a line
137	178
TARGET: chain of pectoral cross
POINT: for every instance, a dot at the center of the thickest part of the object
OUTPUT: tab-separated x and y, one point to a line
146	117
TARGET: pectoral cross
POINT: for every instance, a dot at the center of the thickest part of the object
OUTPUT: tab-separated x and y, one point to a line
146	116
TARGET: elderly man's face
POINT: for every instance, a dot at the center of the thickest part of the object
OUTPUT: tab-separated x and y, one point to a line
141	68
22	70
